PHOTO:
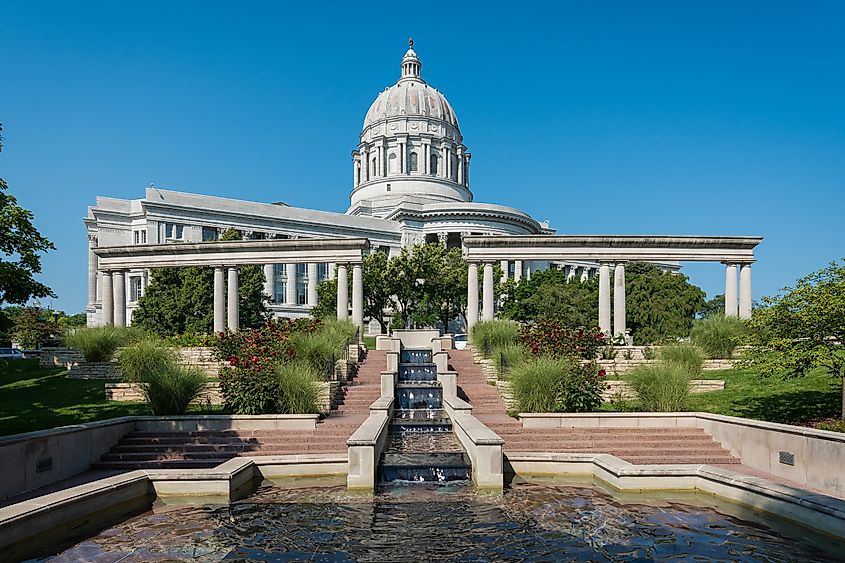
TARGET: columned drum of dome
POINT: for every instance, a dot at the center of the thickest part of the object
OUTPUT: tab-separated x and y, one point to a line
410	145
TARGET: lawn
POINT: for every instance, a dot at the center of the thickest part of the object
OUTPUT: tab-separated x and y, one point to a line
771	398
33	398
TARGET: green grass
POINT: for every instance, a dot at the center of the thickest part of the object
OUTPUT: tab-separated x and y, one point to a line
770	398
370	342
33	398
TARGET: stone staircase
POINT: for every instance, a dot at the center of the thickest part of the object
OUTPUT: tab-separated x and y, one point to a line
205	449
640	446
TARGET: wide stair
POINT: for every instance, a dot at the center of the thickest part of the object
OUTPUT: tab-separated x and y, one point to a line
639	446
205	449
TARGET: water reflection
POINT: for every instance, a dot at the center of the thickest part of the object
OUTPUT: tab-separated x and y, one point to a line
530	522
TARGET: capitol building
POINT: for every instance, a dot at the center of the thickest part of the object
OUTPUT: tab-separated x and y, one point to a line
411	183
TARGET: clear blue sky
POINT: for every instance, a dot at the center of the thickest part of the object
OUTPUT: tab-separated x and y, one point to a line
628	117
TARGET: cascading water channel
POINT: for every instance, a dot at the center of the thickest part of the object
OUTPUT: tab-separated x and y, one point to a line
421	446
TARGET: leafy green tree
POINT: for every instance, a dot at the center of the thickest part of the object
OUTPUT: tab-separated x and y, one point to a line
548	295
180	301
376	288
802	328
327	299
20	245
660	305
34	327
715	306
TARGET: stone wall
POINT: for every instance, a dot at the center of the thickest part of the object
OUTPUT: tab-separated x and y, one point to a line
328	397
618	367
74	362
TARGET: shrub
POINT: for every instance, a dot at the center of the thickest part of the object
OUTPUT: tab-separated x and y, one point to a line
628	354
685	356
508	356
663	387
487	335
552	339
99	343
261	349
607	352
250	391
717	335
298	389
170	390
145	356
557	385
831	424
649	353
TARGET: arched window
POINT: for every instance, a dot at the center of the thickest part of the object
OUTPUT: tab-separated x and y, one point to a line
434	165
414	165
391	164
375	167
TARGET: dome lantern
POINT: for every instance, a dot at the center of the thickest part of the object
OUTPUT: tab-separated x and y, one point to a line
411	63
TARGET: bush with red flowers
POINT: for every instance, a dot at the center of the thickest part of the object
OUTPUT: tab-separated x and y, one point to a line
261	349
550	338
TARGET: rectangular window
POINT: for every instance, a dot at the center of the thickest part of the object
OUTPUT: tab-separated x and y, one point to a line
134	288
322	271
174	231
209	233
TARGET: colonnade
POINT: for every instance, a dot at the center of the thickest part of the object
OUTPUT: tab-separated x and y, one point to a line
612	321
226	297
291	283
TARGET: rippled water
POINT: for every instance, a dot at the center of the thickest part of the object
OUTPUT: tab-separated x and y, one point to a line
530	522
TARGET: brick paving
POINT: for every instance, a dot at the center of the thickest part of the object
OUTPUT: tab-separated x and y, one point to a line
171	450
640	446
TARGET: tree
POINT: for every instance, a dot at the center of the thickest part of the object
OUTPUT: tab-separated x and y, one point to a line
326	299
34	327
715	306
376	288
660	305
548	295
180	301
20	245
802	328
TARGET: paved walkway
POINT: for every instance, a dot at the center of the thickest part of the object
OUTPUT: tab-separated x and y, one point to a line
640	446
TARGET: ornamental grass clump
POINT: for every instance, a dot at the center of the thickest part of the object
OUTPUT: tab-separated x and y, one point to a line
485	336
717	335
99	343
684	355
508	356
168	387
557	385
145	356
298	390
169	391
662	387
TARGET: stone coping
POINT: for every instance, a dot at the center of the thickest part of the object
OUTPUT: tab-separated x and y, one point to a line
669	419
458	405
817	511
59	430
370	431
476	430
381	404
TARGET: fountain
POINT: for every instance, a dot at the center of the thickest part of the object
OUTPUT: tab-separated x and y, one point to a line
420	444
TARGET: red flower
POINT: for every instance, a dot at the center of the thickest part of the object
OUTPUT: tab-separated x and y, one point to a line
602	373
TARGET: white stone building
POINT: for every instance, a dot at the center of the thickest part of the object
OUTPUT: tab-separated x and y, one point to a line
411	184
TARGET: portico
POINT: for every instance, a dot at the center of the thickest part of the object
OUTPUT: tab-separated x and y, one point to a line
226	257
611	252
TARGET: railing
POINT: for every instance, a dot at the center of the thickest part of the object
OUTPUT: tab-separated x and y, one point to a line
329	370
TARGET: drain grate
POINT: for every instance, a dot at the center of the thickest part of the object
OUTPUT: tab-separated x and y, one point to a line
786	458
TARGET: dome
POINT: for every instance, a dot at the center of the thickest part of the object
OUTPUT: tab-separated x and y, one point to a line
411	96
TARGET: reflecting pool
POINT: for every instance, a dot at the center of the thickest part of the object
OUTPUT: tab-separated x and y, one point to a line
532	521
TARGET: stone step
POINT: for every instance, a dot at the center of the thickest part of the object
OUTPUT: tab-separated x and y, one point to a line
158	464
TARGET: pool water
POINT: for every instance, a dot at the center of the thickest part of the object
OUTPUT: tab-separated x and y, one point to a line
532	521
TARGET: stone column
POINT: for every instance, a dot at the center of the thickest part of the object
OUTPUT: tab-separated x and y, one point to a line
342	293
730	290
219	299
290	289
604	298
330	267
472	295
312	283
441	170
619	299
355	167
233	305
270	282
357	296
487	293
517	270
365	165
745	291
107	313
119	281
504	265
92	271
460	154
403	157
